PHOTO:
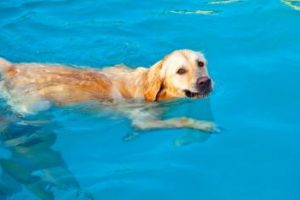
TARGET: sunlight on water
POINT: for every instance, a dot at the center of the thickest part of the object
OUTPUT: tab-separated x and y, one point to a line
225	1
295	4
194	12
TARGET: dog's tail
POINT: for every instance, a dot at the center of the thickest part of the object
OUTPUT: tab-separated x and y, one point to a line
4	65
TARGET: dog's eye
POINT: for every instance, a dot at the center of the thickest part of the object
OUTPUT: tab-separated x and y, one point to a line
200	63
181	71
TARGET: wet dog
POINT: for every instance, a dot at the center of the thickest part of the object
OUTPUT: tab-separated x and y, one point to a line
30	87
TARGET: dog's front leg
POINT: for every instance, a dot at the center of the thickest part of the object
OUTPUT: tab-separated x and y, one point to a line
181	122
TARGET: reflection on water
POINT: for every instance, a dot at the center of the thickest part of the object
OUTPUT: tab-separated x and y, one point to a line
32	163
192	109
198	110
153	111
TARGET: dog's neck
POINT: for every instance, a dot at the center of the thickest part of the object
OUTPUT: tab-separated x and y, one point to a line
142	84
127	83
154	86
164	95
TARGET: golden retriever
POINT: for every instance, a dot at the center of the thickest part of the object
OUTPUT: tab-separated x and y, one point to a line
30	87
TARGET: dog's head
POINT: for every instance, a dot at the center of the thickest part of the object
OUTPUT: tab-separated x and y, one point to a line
183	73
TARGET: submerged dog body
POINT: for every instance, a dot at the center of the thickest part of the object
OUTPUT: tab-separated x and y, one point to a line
183	73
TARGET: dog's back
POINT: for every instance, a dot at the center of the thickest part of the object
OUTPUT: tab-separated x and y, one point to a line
4	66
27	82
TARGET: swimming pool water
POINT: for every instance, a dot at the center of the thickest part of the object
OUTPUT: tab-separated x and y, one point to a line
76	153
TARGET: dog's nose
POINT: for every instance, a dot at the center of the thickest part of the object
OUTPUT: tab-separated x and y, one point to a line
203	81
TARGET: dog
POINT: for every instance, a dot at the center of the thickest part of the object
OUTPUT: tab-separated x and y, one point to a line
30	87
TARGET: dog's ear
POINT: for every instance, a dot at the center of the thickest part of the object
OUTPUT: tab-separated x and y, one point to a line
154	82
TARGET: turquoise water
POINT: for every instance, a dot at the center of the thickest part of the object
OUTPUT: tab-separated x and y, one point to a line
82	153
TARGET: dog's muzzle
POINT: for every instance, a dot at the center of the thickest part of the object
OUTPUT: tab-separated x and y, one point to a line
204	87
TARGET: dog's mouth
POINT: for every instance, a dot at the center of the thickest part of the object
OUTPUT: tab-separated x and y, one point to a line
201	94
191	94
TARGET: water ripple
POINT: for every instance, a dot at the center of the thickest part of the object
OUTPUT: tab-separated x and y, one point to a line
193	12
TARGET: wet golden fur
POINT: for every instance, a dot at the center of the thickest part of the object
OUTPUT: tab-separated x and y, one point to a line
64	85
28	84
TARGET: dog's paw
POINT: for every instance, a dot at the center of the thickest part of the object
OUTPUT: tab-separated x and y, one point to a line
205	126
200	125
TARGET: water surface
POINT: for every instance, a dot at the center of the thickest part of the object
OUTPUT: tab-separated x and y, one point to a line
67	153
